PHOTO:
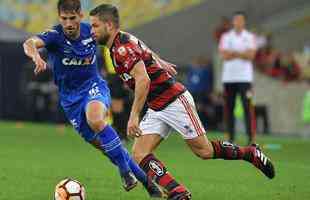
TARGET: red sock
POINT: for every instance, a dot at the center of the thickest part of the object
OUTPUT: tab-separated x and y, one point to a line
157	171
229	151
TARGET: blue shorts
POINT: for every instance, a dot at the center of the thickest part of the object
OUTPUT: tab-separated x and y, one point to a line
75	113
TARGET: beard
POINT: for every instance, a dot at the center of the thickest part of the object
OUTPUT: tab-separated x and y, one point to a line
104	37
71	33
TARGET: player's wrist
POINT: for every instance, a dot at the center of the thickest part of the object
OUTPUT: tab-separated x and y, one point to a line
35	56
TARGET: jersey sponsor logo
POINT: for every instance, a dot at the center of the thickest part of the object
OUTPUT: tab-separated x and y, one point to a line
156	168
125	77
78	62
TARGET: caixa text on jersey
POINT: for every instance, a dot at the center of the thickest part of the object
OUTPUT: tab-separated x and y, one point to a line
79	61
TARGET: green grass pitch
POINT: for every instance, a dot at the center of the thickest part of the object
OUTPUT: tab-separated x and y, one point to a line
33	158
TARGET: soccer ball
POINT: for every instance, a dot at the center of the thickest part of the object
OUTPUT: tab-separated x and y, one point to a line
69	189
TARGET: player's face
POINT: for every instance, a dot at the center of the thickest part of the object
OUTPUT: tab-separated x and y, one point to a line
239	22
99	30
70	22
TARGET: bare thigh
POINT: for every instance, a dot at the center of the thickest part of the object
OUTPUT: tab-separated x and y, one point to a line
144	145
201	146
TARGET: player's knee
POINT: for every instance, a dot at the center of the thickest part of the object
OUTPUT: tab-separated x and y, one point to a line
97	126
95	114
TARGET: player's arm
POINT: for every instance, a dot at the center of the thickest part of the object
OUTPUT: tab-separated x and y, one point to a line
142	85
165	64
31	47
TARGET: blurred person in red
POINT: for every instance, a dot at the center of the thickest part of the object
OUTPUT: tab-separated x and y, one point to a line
223	27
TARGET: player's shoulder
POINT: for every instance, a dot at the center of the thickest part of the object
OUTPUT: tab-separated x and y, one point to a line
85	27
55	30
125	48
125	42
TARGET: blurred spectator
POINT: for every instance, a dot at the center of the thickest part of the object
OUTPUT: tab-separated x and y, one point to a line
290	68
223	27
199	82
200	77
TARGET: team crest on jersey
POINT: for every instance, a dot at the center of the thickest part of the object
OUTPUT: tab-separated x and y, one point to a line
156	168
122	51
94	92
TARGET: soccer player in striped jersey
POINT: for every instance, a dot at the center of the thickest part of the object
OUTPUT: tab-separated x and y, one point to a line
170	106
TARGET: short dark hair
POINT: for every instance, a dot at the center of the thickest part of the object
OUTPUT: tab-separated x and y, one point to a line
69	6
106	12
240	13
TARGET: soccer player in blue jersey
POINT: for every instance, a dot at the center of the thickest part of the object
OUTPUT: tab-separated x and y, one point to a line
84	95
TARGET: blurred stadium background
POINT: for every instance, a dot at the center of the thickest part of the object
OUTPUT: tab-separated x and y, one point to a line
185	32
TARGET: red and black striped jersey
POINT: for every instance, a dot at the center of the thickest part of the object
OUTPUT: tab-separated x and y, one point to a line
126	51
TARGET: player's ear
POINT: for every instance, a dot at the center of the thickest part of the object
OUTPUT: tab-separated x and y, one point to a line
110	25
81	14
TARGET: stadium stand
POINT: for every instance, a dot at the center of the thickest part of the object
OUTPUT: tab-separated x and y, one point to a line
23	14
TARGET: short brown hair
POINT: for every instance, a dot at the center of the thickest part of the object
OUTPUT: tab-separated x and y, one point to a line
106	12
69	6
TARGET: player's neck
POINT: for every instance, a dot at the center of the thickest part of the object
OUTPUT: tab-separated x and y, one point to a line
112	38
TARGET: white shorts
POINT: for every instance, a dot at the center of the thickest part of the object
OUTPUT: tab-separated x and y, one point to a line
180	115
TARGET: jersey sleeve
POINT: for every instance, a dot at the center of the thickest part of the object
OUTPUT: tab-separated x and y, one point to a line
49	37
127	55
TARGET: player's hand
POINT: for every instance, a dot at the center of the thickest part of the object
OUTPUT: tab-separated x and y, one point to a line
133	129
170	68
40	64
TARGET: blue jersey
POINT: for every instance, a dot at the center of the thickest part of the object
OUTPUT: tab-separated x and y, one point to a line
73	62
75	71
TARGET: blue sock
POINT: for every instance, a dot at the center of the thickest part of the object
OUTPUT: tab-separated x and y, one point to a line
111	144
137	171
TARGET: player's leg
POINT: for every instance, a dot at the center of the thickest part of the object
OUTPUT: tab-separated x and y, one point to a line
154	131
121	158
194	135
229	151
249	110
109	141
230	94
